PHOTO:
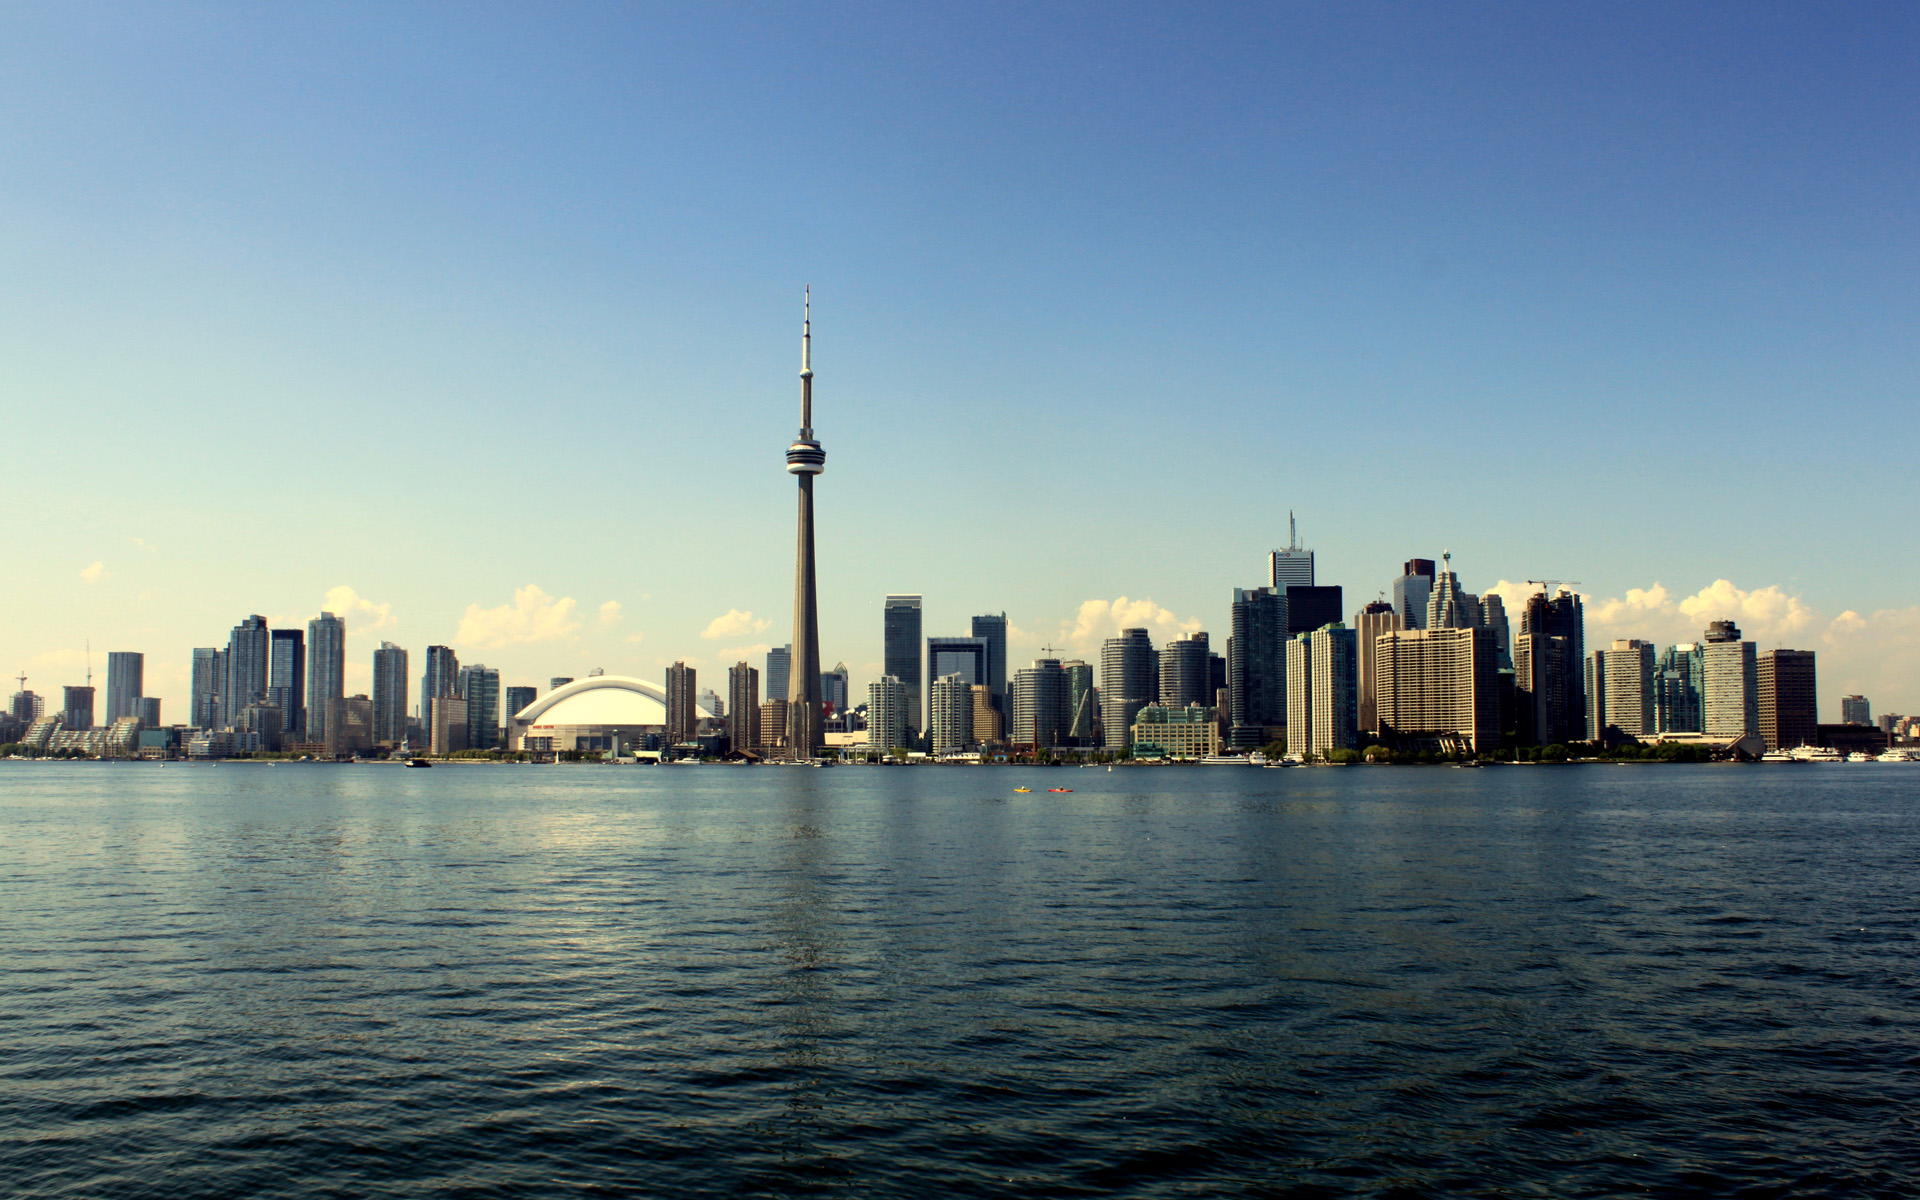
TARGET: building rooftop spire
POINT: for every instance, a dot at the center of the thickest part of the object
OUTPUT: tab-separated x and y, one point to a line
806	335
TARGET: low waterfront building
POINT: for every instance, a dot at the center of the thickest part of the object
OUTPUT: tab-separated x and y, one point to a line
1161	731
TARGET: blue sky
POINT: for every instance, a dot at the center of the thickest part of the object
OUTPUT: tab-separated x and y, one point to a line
440	304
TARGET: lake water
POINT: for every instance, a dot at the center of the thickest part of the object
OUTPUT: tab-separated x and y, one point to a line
241	980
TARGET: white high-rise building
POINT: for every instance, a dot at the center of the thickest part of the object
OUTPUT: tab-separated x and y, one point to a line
1729	683
950	715
1438	683
1291	567
887	714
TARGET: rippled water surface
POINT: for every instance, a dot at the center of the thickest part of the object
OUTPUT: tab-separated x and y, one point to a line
244	980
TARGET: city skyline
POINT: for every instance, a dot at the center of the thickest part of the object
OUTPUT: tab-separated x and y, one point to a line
1658	276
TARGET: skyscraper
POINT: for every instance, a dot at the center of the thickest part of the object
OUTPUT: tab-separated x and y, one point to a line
1083	704
987	726
149	712
1185	677
1334	712
1729	683
1369	623
1410	592
1438	684
806	459
1549	669
126	683
390	694
743	707
326	671
1854	710
1449	606
968	657
1040	715
518	697
440	677
950	715
1788	704
1292	567
203	695
1126	681
1256	668
287	680
779	665
682	717
76	707
993	627
480	688
1676	689
1621	685
1493	615
886	715
1311	608
247	652
900	652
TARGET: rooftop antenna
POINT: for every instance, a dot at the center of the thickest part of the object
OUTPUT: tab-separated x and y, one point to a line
89	662
1293	537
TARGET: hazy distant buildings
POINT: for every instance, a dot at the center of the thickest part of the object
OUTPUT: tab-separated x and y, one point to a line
28	706
1369	623
1854	710
149	712
779	666
287	679
1788	699
950	715
1620	691
993	627
326	670
682	714
1438	686
390	694
1729	683
126	684
1126	685
900	651
558	681
446	724
1411	591
518	697
743	707
887	714
349	723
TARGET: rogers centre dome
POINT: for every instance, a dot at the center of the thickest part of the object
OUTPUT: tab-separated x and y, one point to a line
590	713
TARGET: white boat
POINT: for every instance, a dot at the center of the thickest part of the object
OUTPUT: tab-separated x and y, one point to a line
1776	756
1859	756
1225	760
1895	754
1817	754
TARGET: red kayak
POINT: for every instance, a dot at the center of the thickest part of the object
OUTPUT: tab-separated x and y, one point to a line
1059	789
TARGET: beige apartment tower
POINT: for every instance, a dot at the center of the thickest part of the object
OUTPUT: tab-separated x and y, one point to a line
1440	684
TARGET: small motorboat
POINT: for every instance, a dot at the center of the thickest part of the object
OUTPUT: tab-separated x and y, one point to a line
1059	789
418	762
1023	789
1776	756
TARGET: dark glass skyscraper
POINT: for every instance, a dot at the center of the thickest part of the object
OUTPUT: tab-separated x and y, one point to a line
326	671
126	683
390	694
1410	592
1549	662
900	651
1311	608
1257	665
287	680
248	649
993	627
440	678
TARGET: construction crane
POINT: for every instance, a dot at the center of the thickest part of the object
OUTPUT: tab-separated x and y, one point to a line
1548	585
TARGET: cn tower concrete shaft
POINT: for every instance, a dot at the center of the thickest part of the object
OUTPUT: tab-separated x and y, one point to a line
806	459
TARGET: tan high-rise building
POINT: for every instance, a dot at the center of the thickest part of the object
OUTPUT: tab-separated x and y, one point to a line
1620	690
743	707
1729	683
1788	699
986	718
682	713
1369	623
1437	683
773	728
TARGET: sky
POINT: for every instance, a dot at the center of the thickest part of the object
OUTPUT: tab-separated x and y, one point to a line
479	324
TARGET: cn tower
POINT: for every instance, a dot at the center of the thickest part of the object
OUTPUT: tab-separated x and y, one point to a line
806	459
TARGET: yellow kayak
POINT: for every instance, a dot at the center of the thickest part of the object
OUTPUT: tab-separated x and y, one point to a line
1023	789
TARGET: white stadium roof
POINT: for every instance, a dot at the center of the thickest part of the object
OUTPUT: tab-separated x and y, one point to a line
602	700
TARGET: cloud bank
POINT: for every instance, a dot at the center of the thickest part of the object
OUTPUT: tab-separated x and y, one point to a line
534	616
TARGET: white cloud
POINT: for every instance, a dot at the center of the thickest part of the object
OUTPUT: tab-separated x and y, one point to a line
94	572
1637	603
1764	614
734	623
1099	620
360	614
533	616
751	654
609	612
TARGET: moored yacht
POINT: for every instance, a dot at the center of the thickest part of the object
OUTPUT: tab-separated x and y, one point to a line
1777	756
1895	754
